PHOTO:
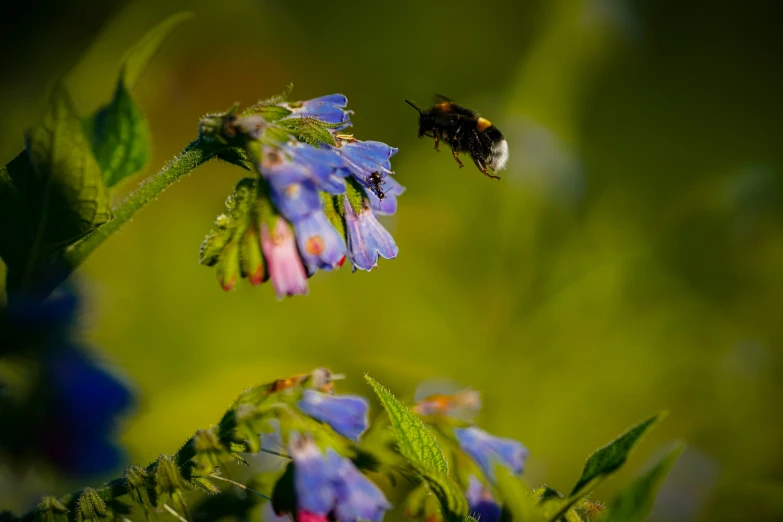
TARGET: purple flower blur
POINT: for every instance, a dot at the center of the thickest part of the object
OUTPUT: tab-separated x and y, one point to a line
330	486
487	450
482	506
357	497
367	239
346	414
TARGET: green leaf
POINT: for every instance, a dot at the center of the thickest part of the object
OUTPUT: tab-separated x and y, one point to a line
118	132
452	500
233	245
52	194
139	56
608	459
310	130
91	507
416	442
120	137
634	503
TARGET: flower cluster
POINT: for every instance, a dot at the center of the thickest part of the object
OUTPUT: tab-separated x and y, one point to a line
314	202
329	487
484	452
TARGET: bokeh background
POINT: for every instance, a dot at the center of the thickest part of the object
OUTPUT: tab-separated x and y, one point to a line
629	260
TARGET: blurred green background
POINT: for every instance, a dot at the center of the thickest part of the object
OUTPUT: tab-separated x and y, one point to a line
629	260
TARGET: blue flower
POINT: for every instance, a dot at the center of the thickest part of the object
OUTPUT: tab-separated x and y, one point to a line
357	497
480	502
367	239
86	400
330	486
388	205
314	477
487	450
320	245
362	158
68	409
346	414
329	109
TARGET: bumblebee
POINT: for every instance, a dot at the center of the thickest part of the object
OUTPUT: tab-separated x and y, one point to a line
464	130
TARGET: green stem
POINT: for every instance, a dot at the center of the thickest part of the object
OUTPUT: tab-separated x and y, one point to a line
194	155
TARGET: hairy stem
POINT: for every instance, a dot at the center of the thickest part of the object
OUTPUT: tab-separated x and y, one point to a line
194	155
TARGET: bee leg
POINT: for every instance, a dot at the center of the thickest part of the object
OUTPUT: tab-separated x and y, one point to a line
455	152
483	169
436	143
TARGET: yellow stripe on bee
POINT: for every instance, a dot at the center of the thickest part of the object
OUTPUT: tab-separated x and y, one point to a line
444	106
483	124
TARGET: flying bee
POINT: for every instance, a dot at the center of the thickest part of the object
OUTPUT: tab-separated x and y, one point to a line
464	131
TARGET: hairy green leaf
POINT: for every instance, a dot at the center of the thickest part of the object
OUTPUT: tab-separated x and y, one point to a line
139	56
120	137
310	130
608	459
118	132
452	501
416	442
233	245
633	503
52	194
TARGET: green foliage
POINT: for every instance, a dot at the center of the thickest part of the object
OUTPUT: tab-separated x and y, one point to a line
233	244
633	503
118	132
139	56
608	459
51	510
518	500
416	441
91	507
56	191
52	194
310	130
120	137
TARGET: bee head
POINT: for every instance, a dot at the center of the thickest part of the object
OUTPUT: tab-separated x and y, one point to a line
425	118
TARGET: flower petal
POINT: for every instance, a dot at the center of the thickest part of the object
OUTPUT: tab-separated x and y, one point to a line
314	476
285	267
320	245
346	414
487	450
367	239
357	498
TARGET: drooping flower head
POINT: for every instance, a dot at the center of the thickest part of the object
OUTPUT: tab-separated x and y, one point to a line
346	414
480	502
330	487
488	451
309	173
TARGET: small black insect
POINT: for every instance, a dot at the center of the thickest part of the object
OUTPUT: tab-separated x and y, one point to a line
464	131
376	181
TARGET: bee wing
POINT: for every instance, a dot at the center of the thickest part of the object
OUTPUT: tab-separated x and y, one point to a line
439	98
